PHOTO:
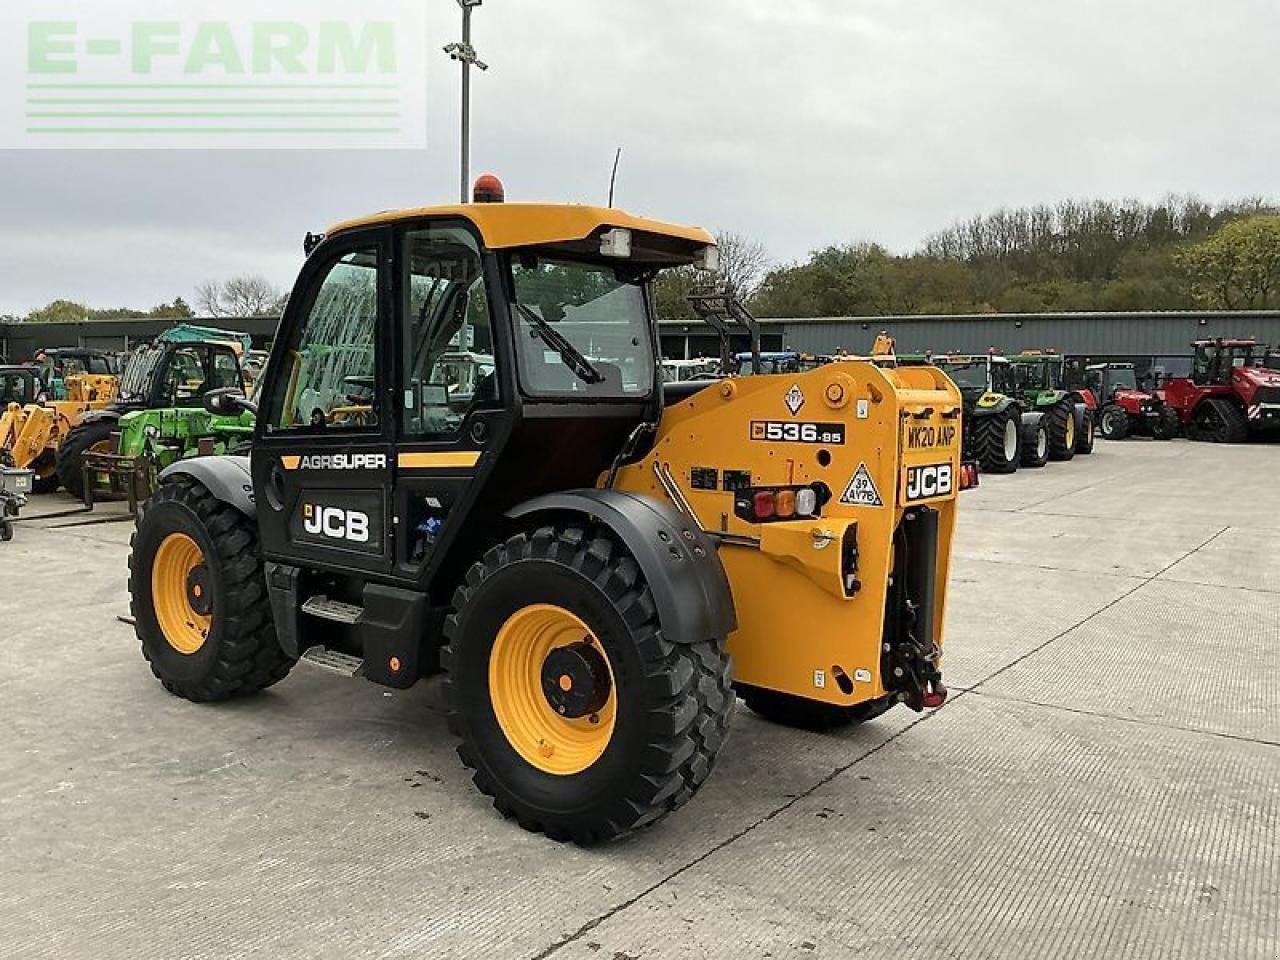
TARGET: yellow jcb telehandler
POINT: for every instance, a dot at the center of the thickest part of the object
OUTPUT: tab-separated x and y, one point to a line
595	564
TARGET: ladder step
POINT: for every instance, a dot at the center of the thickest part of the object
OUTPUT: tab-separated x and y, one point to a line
333	661
335	610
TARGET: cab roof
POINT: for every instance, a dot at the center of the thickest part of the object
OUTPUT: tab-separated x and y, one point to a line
507	225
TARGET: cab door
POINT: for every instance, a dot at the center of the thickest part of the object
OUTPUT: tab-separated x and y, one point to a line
322	466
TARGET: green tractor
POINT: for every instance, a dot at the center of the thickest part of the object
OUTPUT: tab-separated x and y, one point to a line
1039	382
1000	434
159	416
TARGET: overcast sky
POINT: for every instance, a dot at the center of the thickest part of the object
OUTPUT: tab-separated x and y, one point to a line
797	122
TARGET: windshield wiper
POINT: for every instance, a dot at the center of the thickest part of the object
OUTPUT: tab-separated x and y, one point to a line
572	357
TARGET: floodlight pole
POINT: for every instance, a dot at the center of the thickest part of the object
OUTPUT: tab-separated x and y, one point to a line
465	54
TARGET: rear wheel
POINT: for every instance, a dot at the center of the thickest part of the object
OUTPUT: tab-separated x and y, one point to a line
199	597
94	436
792	711
1062	431
1084	443
1114	422
998	441
1220	421
577	716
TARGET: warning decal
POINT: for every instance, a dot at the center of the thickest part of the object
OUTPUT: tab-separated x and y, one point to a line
861	491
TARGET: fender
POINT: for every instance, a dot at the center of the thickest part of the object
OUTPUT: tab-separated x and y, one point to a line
691	590
1001	404
1030	424
99	416
227	478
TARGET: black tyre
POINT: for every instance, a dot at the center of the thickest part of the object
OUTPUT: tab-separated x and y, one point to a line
1035	440
792	711
199	597
46	474
95	435
577	716
998	441
1220	421
1062	431
1086	430
1167	425
1113	422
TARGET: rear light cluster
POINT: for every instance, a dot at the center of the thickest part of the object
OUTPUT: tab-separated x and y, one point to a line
771	504
968	476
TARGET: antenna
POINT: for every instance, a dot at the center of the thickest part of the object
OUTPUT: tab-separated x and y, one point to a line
613	178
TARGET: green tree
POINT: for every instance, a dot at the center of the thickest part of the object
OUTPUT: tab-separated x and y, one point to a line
59	311
1238	268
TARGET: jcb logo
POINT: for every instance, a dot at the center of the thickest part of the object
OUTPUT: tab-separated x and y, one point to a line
924	483
335	523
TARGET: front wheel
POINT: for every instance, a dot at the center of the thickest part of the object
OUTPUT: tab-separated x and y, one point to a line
1062	431
199	598
1167	424
1035	440
998	441
1086	435
95	437
577	715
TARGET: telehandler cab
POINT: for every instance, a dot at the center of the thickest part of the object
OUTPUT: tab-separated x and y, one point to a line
578	551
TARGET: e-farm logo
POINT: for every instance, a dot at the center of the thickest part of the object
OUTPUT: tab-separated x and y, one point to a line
238	74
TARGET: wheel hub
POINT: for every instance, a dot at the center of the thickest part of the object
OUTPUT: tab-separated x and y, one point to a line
199	594
575	680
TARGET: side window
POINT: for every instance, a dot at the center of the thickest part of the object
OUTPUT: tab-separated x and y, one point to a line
329	371
226	370
449	367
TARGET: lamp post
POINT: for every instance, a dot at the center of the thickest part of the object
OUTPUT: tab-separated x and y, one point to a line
465	54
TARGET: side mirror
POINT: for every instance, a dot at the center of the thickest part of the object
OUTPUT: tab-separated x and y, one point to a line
225	401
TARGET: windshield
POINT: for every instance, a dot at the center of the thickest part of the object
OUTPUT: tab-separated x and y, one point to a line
16	387
972	375
1031	376
569	312
1123	379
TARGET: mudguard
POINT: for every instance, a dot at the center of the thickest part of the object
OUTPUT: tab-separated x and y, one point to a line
991	403
679	561
1030	424
227	478
98	416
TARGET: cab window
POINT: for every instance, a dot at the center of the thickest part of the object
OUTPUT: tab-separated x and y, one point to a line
581	328
226	370
184	378
449	367
329	365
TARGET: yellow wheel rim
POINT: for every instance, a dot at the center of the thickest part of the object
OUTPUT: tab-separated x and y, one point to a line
547	740
1071	432
179	593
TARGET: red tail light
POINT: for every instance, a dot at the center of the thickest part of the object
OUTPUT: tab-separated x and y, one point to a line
765	504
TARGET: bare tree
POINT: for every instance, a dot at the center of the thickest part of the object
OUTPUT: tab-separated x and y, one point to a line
246	296
743	264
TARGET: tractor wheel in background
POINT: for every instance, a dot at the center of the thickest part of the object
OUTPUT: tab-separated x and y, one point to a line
1113	422
199	597
1035	440
1167	425
792	711
1219	421
998	441
1085	431
95	436
46	474
1062	431
577	716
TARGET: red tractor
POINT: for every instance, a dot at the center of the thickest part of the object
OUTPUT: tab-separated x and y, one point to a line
1230	393
1120	408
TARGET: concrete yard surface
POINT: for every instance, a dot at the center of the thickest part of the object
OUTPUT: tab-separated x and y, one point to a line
1104	781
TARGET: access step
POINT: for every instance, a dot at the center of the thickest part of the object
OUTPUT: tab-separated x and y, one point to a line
333	661
334	610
